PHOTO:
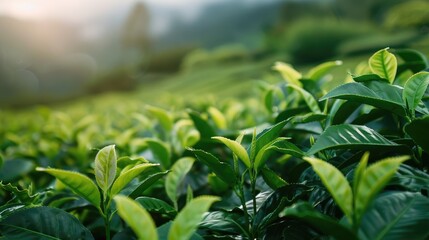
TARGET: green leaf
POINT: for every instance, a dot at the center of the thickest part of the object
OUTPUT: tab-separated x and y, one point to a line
418	129
336	184
397	215
272	179
218	117
79	183
105	167
384	64
164	118
324	223
359	172
236	148
369	77
373	180
176	176
13	169
228	222
287	148
413	60
308	98
43	223
146	183
202	125
23	195
1	161
157	206
265	151
222	170
360	93
288	73
270	209
350	137
188	219
316	73
137	218
267	135
342	111
125	177
160	152
415	89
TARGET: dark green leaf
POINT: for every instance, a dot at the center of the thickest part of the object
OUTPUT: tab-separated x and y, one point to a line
160	152
324	223
378	94
43	223
397	215
164	229
369	77
272	179
418	130
157	206
267	135
287	148
308	98
413	60
202	125
23	195
232	222
343	112
275	203
14	169
350	137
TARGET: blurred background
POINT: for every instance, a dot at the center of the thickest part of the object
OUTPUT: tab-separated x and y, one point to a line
56	51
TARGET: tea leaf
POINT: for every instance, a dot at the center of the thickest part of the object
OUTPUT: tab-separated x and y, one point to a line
137	218
415	89
418	129
316	73
222	170
43	223
105	167
188	219
308	98
79	183
236	148
176	176
157	206
384	64
373	180
336	184
125	177
288	73
350	137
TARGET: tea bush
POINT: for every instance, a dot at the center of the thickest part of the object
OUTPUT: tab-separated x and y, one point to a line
294	162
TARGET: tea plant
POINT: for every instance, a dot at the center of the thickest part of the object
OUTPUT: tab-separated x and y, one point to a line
311	157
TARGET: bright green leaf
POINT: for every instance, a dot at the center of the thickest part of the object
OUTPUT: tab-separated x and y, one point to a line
359	172
272	179
384	64
125	177
236	148
218	117
164	118
415	89
176	176
188	219
105	167
137	218
373	180
336	184
350	137
316	73
146	183
79	183
288	73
